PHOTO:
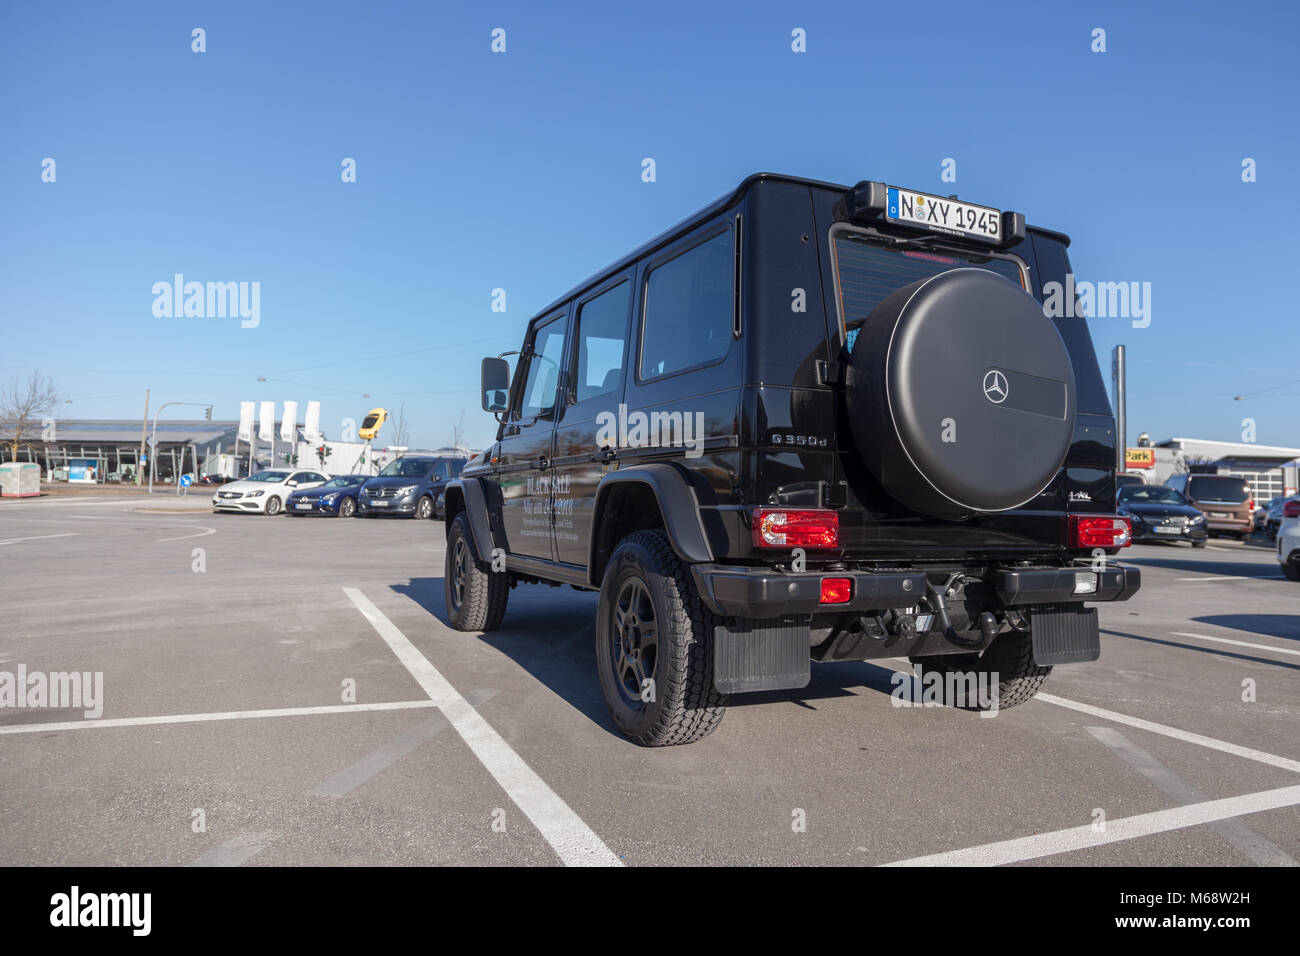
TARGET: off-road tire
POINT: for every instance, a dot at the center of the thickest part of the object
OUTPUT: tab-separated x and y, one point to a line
686	706
476	599
1292	571
1010	656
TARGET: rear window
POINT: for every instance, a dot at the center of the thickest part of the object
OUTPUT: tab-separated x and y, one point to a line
868	272
1218	488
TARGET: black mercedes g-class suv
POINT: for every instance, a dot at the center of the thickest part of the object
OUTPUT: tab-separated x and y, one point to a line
809	423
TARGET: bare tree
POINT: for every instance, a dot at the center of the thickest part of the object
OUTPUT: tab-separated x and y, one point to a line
458	432
26	404
401	434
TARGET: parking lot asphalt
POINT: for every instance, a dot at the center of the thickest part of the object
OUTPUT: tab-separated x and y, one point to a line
285	691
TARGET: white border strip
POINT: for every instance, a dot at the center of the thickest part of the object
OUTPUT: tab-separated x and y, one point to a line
1127	828
574	842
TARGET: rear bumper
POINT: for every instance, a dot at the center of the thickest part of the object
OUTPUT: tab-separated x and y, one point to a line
760	593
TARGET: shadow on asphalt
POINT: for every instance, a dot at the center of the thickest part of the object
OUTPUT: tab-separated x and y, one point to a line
554	643
1210	568
1286	626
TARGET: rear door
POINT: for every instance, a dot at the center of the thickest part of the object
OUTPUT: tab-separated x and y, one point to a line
597	371
527	439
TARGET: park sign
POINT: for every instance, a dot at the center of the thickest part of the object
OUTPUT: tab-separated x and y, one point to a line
1139	458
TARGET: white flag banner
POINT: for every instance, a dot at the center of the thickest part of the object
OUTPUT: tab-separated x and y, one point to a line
246	410
311	422
266	422
289	422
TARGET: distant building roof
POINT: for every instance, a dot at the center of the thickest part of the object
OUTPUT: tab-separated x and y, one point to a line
1231	450
115	431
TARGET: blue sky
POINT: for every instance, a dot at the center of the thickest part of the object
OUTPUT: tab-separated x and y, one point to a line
522	171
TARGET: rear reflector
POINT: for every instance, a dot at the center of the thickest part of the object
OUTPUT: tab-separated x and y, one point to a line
1099	531
836	590
782	528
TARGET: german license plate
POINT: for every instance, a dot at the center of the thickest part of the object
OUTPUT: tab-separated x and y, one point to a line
1168	530
303	507
1220	514
943	215
379	504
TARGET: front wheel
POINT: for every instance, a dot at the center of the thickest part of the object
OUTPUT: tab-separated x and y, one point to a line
347	508
1007	664
476	599
424	509
1292	571
654	646
273	506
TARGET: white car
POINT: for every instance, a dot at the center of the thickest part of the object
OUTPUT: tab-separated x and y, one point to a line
1288	541
264	492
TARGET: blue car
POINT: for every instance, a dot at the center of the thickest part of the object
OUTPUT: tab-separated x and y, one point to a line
409	486
337	497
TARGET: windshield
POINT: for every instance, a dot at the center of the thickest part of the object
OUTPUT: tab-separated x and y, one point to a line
268	476
1152	495
341	481
1218	488
406	468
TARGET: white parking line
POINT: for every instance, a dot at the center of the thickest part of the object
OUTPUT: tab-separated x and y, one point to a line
1286	763
1126	828
571	838
1236	577
100	723
206	531
237	851
38	537
1251	845
1227	640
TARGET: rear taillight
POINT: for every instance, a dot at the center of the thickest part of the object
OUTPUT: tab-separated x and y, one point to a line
1291	509
836	590
1099	531
783	528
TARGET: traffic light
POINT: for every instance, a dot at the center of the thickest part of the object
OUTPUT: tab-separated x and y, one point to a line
208	413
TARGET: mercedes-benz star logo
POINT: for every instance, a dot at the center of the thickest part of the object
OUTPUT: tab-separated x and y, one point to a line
995	386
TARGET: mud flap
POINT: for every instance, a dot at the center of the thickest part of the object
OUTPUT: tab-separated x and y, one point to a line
1064	633
761	655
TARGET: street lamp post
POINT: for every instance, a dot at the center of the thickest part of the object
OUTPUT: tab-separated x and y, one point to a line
153	437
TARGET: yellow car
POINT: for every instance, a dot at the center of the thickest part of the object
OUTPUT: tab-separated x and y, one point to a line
373	422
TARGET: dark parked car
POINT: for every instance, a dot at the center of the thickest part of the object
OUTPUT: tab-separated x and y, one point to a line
1162	514
409	486
337	497
810	422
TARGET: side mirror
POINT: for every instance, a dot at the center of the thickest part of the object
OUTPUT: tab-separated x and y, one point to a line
495	382
291	484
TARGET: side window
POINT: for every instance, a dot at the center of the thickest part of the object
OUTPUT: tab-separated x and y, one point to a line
601	337
688	312
537	394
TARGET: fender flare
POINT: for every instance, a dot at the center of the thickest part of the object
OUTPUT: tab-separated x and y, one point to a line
475	501
678	504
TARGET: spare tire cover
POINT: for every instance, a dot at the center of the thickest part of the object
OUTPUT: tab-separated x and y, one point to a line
961	395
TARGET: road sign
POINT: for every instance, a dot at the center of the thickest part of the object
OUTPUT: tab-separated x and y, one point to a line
185	481
144	459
